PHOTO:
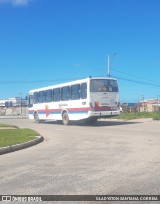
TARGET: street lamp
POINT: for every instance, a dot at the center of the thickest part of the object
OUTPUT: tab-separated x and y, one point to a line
110	63
21	103
143	103
157	109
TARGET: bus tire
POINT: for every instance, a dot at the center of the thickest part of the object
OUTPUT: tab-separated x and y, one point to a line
36	117
65	118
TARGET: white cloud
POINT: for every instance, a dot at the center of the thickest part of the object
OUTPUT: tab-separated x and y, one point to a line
15	2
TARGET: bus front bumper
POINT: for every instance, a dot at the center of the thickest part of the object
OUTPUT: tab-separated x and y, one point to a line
105	113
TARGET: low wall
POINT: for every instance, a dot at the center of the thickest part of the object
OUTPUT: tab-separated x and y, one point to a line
13	111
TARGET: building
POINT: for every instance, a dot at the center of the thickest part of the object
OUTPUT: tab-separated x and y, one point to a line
129	107
13	106
2	103
149	105
13	102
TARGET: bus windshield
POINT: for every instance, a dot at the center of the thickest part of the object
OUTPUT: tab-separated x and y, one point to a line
103	85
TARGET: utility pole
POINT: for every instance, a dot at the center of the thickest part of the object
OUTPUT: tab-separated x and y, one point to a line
108	66
138	105
21	103
143	102
157	109
110	63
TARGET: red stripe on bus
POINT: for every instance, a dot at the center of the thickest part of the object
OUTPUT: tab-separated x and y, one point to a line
60	109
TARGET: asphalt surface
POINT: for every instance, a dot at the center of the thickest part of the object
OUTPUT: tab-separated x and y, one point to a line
110	158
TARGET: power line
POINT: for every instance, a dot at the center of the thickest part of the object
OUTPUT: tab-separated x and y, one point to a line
154	83
135	76
24	82
138	82
36	81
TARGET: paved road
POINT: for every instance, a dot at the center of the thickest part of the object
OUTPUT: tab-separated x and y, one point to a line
112	157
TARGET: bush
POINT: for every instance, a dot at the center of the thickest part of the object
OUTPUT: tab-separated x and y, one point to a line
156	116
129	116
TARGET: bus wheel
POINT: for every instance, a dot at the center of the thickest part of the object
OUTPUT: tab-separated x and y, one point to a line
36	118
65	118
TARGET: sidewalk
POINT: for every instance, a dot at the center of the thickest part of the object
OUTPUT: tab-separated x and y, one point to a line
14	116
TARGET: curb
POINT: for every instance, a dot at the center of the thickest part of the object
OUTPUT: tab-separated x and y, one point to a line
14	117
13	148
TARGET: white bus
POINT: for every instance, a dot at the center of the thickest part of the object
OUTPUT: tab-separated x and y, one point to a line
88	99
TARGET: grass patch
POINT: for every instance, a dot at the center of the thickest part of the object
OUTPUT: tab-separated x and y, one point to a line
6	125
130	116
16	136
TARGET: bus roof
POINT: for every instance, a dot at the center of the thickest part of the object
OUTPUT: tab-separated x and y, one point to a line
69	83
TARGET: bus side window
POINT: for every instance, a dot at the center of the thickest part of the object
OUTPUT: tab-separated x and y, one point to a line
65	93
83	91
42	96
75	92
30	101
56	94
36	97
49	95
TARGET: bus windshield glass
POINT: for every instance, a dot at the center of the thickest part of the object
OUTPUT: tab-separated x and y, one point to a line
103	85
